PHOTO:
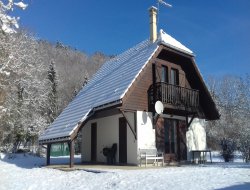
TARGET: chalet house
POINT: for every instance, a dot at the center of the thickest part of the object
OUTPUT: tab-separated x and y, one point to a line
117	105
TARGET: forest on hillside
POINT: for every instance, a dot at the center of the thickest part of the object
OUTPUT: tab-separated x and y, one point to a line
37	80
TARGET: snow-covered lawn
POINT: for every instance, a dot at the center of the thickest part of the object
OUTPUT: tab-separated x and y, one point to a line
24	172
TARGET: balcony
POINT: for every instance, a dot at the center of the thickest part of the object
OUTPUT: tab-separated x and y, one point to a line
173	96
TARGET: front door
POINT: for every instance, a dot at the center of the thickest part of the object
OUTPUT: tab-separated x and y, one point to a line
93	142
122	140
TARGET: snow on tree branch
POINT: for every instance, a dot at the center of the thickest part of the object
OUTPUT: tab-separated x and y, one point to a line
8	23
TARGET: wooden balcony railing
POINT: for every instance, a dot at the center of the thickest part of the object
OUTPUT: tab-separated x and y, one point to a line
173	95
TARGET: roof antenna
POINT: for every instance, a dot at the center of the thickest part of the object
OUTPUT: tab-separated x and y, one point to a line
158	7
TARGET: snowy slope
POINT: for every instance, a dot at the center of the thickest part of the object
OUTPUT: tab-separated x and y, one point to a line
24	173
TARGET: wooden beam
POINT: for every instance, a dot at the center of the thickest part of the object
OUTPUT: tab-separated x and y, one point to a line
191	120
135	122
72	153
155	119
186	122
189	123
48	154
127	109
129	124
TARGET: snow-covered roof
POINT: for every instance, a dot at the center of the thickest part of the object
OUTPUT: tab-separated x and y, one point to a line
108	85
169	41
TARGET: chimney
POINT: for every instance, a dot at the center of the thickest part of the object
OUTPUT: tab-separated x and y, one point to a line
153	23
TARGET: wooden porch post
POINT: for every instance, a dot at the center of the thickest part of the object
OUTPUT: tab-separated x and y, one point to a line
72	153
48	154
187	122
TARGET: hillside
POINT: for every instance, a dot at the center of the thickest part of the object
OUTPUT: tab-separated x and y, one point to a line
37	80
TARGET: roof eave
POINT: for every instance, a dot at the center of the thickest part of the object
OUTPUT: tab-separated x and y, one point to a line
216	114
176	48
76	129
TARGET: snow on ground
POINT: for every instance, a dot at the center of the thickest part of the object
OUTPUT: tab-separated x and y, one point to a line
25	173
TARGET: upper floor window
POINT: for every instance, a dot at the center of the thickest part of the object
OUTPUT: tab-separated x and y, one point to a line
164	74
174	77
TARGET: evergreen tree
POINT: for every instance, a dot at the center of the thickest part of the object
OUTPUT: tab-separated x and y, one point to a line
18	133
52	111
86	80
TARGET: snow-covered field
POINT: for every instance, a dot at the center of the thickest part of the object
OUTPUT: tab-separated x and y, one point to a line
24	172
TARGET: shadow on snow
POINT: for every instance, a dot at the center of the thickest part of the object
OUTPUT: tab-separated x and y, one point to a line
237	187
29	161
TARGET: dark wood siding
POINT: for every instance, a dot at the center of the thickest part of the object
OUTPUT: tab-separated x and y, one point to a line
182	78
137	97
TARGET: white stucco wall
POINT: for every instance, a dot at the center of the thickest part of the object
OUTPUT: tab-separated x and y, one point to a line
107	130
131	142
196	137
107	134
145	131
86	141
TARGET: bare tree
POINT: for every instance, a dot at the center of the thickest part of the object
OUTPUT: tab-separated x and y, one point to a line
31	95
232	96
8	23
22	76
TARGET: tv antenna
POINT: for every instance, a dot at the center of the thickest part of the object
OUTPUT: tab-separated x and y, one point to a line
158	7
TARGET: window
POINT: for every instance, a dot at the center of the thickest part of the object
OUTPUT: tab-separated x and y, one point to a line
164	74
174	77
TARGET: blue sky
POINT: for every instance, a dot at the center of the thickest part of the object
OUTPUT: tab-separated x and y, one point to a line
218	31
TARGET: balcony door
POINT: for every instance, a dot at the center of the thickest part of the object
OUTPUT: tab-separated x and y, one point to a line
171	138
170	128
164	74
174	76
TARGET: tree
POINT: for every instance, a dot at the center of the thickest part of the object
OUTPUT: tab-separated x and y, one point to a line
86	80
33	92
52	96
232	97
8	23
23	81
